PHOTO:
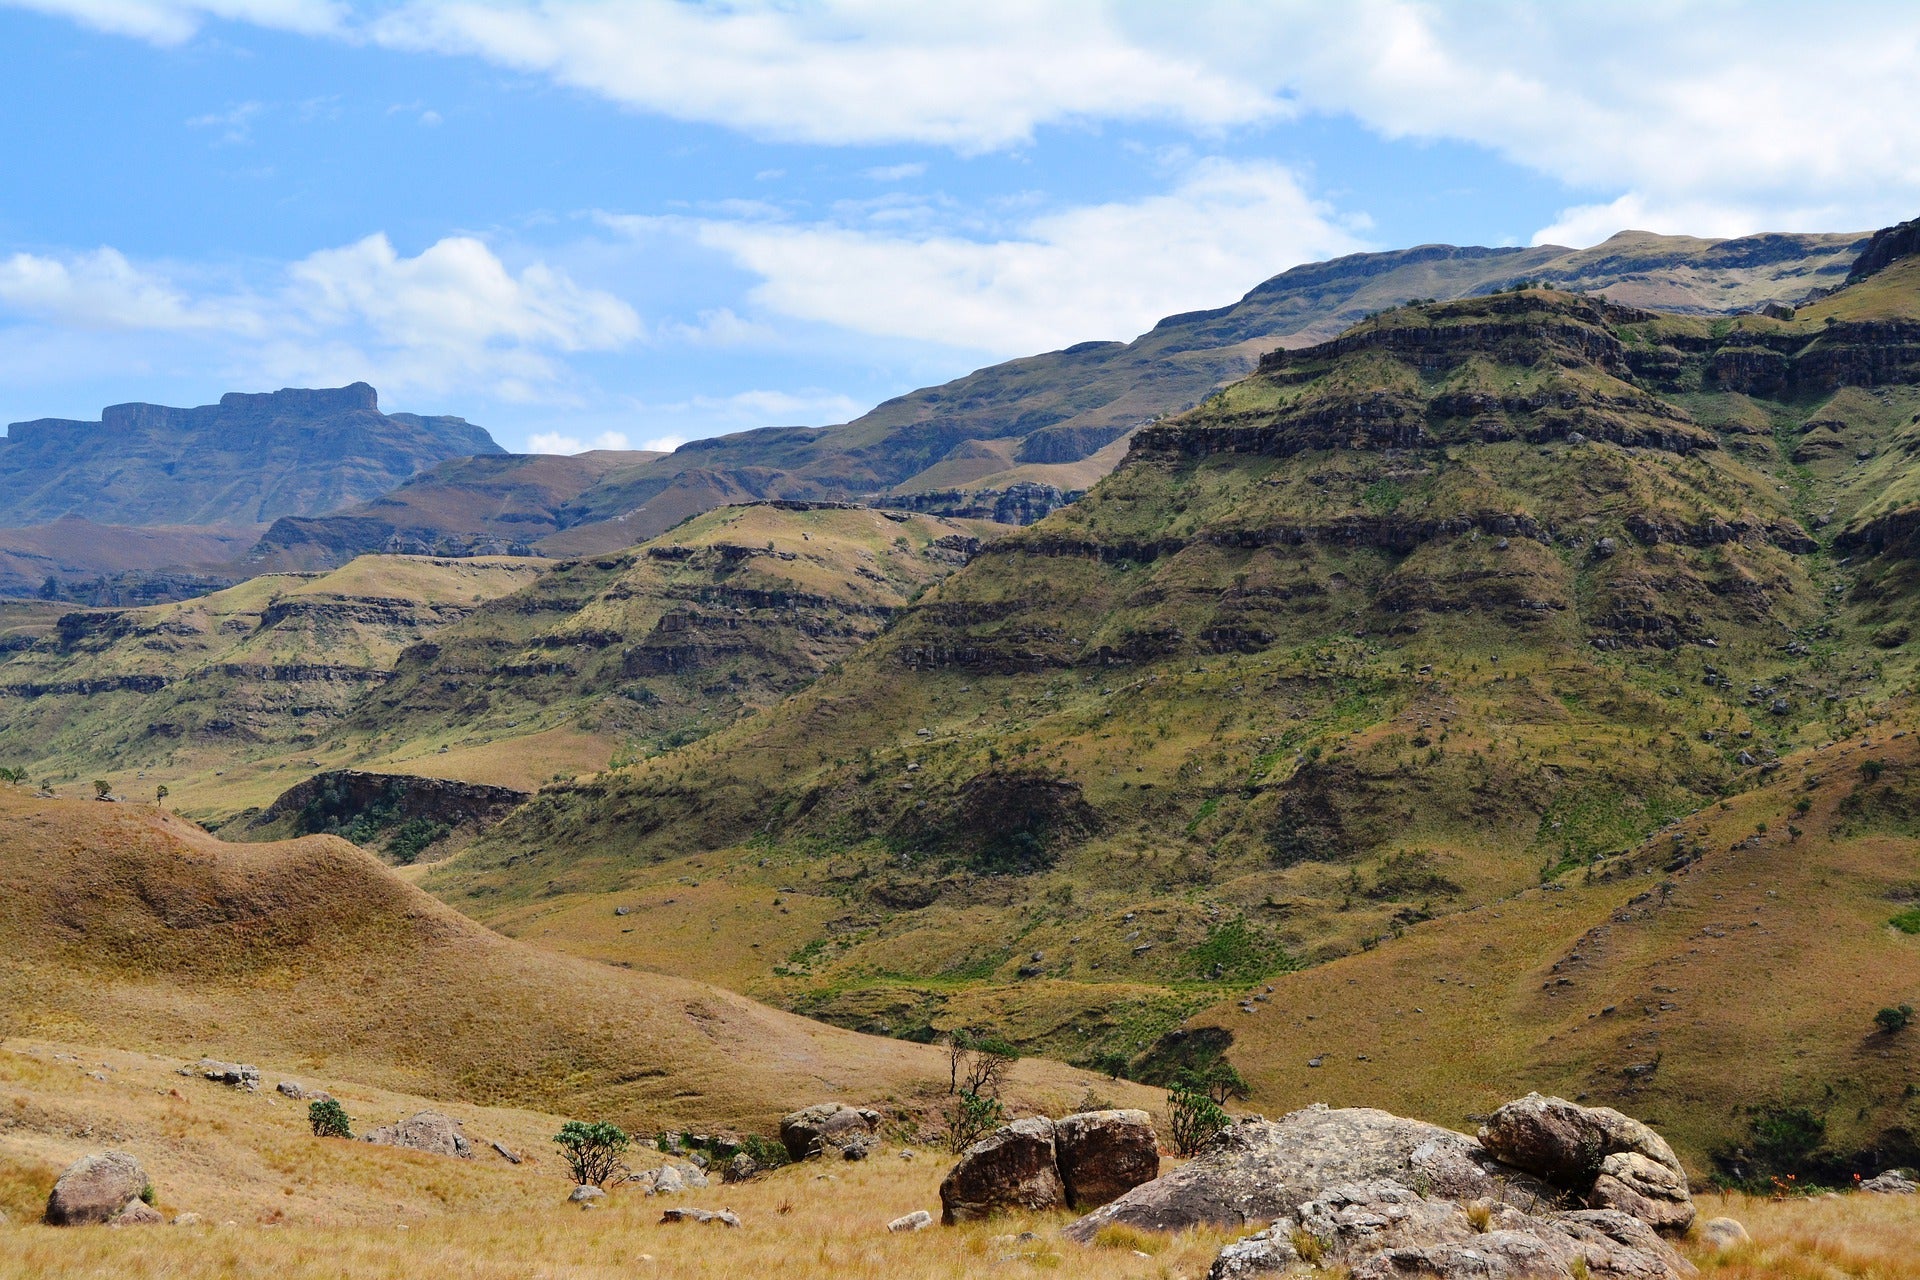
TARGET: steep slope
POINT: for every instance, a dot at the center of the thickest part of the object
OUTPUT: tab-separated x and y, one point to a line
247	460
123	926
661	643
187	689
1467	597
1045	419
495	504
1717	978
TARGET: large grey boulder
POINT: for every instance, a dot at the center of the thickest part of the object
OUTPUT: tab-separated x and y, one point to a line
1258	1170
430	1131
1649	1191
1565	1143
1383	1230
829	1128
1890	1183
1011	1168
94	1189
1720	1234
1105	1154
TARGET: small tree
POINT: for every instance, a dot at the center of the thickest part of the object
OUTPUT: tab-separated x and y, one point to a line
593	1151
329	1119
1219	1080
986	1066
102	788
15	776
1196	1118
160	794
971	1117
1894	1019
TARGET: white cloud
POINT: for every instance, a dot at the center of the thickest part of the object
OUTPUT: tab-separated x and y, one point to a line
453	316
1108	270
897	172
973	77
102	290
555	442
170	22
235	123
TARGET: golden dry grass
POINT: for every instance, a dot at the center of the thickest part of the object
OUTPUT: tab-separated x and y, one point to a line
1854	1237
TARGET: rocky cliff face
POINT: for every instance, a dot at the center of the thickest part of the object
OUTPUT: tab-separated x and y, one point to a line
248	460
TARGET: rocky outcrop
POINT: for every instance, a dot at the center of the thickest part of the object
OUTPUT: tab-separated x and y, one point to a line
1888	246
96	1189
1383	1230
1890	1183
1258	1170
238	1075
1609	1160
340	798
830	1128
1105	1154
1022	503
1011	1168
430	1131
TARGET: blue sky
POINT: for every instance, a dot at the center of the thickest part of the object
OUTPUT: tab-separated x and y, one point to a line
582	221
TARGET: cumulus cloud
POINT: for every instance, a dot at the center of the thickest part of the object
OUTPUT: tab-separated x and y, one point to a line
452	315
557	442
1106	270
171	22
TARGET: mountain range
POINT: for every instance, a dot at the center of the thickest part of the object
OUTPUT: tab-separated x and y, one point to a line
1439	673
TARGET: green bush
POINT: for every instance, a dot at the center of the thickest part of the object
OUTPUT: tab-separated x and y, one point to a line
971	1117
593	1151
1196	1119
1894	1019
329	1119
1907	921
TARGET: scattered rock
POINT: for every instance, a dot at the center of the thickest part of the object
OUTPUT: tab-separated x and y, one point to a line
137	1213
918	1220
430	1131
504	1153
240	1075
94	1189
670	1179
1102	1155
741	1168
1011	1168
1892	1182
584	1194
725	1217
1259	1170
300	1093
187	1220
1723	1233
829	1128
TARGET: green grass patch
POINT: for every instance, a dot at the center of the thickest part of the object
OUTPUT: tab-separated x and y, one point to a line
1907	921
1238	952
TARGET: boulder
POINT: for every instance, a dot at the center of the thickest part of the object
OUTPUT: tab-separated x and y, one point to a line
724	1217
1565	1143
240	1075
94	1189
918	1220
829	1128
137	1213
1890	1183
1651	1192
1011	1168
1723	1233
1105	1154
430	1131
300	1093
187	1220
1384	1230
670	1179
741	1168
585	1194
1258	1170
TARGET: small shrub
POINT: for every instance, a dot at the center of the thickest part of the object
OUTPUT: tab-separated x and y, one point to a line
1119	1235
765	1152
971	1117
148	1196
1195	1118
329	1119
1311	1248
1480	1216
593	1151
1907	921
102	788
1894	1019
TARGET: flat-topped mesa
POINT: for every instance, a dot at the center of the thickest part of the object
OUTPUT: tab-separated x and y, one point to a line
1533	367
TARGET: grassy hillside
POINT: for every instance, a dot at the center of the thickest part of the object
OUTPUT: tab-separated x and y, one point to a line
213	692
1468	599
123	926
